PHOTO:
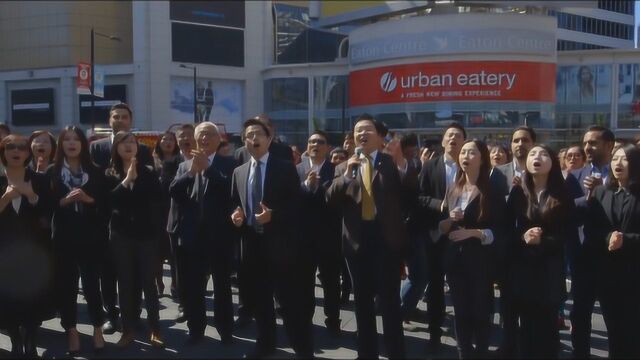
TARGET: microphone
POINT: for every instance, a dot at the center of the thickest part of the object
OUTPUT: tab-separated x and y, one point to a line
354	169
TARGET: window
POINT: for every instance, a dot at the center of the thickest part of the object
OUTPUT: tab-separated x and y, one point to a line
113	94
202	44
32	107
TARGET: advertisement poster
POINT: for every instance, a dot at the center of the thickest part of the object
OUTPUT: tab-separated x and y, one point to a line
218	101
454	81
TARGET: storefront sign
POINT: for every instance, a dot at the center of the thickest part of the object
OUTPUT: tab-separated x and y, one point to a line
454	81
453	42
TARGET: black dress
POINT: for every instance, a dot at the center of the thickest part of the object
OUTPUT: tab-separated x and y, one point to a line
537	272
26	264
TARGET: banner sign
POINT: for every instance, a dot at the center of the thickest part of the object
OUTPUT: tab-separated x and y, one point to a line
495	41
454	81
83	75
99	79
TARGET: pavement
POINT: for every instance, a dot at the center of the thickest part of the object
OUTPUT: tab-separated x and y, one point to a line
52	342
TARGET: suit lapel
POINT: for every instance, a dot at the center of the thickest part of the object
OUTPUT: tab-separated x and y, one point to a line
326	172
377	163
629	213
607	204
268	173
441	173
243	179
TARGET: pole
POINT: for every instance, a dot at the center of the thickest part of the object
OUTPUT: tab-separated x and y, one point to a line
195	97
93	113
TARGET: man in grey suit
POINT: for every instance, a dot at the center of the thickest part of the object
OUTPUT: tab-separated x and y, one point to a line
322	228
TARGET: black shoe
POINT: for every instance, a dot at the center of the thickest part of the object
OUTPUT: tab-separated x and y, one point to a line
195	339
333	327
434	345
242	322
180	318
109	327
226	340
260	353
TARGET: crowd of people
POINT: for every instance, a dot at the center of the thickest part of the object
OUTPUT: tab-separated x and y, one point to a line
362	217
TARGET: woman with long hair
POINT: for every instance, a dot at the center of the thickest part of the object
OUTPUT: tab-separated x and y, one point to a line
165	154
473	229
26	279
612	229
540	213
78	197
135	192
43	147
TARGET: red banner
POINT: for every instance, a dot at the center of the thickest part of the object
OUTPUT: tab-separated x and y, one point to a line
454	81
83	75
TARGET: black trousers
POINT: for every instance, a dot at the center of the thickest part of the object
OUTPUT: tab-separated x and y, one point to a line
245	302
73	262
584	293
539	333
469	279
327	258
177	266
435	287
199	261
136	263
376	272
264	275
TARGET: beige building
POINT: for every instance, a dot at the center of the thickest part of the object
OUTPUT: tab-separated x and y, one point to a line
46	34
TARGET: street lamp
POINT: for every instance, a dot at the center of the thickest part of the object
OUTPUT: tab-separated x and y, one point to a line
93	75
195	94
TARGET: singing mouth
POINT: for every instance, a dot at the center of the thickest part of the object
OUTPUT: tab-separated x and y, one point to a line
618	170
41	151
536	164
465	163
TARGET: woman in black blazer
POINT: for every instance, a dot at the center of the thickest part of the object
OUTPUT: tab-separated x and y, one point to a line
612	230
26	279
540	217
166	156
78	194
473	228
134	197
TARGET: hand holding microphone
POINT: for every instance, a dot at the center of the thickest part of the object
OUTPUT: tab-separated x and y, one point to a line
353	164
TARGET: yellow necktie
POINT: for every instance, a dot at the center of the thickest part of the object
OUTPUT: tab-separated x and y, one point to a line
368	207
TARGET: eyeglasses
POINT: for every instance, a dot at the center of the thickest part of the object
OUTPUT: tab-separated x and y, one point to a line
19	147
317	141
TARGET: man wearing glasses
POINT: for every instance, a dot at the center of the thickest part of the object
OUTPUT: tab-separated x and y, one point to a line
322	228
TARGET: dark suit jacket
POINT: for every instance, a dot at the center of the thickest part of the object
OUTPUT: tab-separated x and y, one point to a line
388	193
134	212
89	221
281	194
432	188
598	219
319	220
537	272
207	223
277	149
502	179
100	151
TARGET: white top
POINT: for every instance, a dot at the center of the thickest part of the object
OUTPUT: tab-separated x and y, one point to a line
451	168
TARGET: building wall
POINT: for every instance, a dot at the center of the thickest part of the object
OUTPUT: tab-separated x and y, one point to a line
43	34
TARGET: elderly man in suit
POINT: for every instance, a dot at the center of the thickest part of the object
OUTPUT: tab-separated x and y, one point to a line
322	227
120	119
437	175
369	194
202	192
266	195
598	144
